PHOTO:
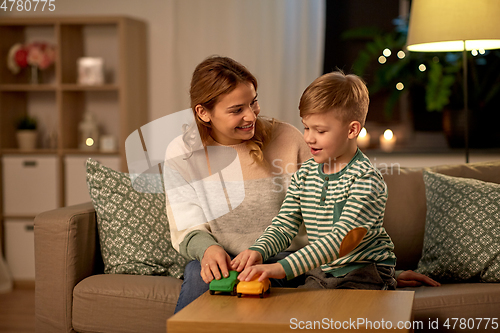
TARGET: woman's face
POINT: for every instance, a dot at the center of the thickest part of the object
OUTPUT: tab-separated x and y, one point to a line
233	117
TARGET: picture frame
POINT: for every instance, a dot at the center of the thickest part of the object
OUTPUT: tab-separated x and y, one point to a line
91	71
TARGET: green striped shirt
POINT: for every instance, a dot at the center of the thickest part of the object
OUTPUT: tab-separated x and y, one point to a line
342	212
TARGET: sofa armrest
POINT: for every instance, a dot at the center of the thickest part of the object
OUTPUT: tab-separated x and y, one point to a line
66	252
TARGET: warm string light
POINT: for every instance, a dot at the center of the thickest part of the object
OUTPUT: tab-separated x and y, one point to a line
388	134
387	141
387	53
383	59
477	52
363	139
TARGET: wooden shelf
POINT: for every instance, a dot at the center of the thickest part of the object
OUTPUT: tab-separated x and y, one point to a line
15	151
88	152
60	103
27	87
80	87
70	20
20	87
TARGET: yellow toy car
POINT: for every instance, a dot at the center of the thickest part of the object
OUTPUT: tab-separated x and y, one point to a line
254	287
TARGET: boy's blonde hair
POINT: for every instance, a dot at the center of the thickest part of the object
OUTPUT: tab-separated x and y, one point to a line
346	95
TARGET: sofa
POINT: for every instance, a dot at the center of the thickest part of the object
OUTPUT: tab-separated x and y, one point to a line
73	294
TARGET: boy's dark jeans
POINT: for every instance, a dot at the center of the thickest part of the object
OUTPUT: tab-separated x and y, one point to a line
369	277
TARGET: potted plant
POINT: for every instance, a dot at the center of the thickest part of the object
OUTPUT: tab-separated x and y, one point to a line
434	81
27	132
385	62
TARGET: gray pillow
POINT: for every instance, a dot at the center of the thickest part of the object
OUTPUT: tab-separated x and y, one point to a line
132	225
462	229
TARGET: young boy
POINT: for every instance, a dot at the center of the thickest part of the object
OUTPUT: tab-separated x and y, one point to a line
337	194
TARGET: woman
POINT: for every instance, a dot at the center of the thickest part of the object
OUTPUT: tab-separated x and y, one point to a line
224	102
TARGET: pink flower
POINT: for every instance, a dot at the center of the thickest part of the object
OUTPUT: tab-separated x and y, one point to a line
21	57
41	55
45	62
50	52
35	55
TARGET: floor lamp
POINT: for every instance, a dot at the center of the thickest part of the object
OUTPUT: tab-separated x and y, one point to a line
453	26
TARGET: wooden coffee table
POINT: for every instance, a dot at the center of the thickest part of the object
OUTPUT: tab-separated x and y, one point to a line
289	310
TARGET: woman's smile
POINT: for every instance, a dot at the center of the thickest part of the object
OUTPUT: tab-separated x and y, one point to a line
248	127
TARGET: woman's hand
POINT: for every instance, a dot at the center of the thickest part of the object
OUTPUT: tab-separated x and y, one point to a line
412	279
246	259
275	271
214	262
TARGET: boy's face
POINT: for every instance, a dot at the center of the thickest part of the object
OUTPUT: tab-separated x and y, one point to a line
328	137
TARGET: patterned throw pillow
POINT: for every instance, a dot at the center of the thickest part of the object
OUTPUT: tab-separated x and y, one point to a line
461	230
132	224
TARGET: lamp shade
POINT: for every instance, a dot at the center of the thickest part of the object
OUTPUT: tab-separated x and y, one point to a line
444	25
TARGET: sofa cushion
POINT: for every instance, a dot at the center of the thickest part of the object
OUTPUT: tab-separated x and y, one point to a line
132	223
462	228
124	303
485	171
405	212
461	300
404	217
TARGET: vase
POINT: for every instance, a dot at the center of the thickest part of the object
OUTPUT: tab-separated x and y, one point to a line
26	139
34	75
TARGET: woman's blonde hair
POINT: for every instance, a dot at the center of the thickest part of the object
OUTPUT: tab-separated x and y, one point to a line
346	95
217	76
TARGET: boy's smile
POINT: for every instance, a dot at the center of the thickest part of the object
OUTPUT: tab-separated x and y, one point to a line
315	151
329	139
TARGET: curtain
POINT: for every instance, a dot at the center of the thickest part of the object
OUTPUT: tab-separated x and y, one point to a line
279	41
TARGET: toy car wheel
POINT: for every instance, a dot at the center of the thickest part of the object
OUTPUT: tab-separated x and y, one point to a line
262	295
239	295
212	292
268	291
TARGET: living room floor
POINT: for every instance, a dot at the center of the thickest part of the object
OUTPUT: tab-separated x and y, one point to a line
17	311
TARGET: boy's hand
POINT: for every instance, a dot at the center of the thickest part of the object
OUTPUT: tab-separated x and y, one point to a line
246	259
275	271
214	262
413	279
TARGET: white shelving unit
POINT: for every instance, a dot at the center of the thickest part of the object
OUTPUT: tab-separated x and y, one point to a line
53	175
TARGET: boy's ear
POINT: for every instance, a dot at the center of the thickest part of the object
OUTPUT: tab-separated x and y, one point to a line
202	113
354	129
